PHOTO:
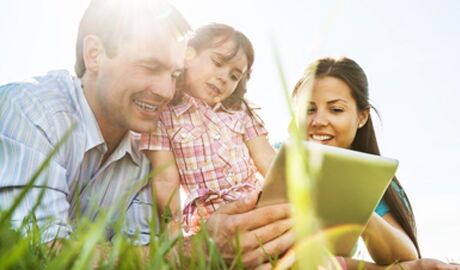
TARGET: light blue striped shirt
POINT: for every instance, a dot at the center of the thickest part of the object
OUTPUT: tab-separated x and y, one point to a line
34	116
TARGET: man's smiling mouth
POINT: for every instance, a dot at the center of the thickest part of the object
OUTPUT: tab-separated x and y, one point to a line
145	106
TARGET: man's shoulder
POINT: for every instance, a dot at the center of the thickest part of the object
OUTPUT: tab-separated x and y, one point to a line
51	92
47	102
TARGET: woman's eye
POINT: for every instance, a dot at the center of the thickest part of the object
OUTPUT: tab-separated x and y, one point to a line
337	110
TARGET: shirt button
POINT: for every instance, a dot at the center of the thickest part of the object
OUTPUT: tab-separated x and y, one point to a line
216	136
183	135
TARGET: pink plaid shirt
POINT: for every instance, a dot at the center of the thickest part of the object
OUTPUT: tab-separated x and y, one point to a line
209	146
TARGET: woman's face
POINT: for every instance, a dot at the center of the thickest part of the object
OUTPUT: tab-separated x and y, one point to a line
333	116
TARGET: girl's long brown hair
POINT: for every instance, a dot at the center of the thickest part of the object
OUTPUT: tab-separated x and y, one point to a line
365	140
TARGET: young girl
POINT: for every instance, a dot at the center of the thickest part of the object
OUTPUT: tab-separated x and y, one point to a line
209	139
338	115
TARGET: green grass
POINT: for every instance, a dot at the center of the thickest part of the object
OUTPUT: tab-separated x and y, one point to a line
88	248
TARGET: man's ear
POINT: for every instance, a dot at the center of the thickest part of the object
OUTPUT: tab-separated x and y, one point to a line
93	51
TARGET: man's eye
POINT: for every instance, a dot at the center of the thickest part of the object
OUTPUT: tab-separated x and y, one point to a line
311	110
151	69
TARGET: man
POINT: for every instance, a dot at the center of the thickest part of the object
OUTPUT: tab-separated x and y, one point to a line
129	54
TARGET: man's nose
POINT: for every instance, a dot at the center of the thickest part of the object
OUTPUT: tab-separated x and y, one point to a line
164	88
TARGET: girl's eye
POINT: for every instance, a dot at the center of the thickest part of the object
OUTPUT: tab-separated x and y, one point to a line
234	78
217	63
311	110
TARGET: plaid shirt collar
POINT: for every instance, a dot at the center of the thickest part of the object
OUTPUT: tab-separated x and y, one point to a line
189	102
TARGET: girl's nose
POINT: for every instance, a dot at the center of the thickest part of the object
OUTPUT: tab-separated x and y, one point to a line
221	75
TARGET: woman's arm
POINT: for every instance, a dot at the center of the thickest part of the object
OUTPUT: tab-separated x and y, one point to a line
165	180
261	152
424	264
386	240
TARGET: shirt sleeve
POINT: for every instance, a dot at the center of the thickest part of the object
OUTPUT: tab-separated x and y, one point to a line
383	209
24	147
253	124
158	140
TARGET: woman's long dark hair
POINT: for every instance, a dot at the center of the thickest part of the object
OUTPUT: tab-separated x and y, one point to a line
365	140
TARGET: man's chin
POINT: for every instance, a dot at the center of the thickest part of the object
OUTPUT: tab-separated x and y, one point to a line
144	126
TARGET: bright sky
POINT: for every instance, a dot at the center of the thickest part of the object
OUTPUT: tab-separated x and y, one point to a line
409	50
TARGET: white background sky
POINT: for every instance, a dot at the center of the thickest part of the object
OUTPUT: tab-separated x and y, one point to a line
409	50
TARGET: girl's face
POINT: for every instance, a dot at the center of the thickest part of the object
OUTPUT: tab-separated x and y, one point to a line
333	116
210	77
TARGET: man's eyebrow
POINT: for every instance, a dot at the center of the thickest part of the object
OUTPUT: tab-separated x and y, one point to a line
154	61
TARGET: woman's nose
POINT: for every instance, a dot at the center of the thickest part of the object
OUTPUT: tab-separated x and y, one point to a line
319	119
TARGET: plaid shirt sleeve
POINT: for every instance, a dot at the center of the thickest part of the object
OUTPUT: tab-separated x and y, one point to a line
253	125
158	140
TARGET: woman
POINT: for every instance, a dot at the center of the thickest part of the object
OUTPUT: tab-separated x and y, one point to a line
338	114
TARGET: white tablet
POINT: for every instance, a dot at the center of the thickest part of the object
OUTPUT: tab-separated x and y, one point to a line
348	186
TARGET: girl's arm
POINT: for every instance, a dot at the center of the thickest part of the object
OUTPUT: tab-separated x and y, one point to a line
165	181
261	152
386	240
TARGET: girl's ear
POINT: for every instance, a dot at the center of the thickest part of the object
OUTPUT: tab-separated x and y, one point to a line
93	50
363	117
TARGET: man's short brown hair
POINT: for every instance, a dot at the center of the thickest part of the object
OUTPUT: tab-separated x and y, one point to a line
116	20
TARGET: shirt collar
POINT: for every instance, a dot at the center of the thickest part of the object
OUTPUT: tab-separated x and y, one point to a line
188	102
93	133
130	145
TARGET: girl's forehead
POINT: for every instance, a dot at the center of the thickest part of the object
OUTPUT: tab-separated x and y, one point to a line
229	51
224	45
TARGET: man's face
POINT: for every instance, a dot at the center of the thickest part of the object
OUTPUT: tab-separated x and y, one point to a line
134	85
